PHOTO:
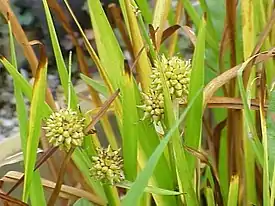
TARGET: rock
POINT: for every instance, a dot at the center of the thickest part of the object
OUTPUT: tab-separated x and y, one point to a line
6	96
8	123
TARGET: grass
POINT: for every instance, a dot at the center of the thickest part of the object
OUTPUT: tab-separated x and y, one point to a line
191	153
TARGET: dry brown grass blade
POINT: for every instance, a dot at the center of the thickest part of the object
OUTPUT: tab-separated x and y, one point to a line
234	119
116	14
232	103
203	157
102	111
152	33
43	61
264	33
188	31
19	34
222	79
60	178
209	138
8	199
216	138
22	39
223	47
39	162
168	32
136	60
231	11
66	191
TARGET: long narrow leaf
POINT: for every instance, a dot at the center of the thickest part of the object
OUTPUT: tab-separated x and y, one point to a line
193	130
130	128
60	63
36	114
108	48
149	189
99	87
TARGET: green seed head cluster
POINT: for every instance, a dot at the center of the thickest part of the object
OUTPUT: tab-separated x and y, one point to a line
153	105
177	74
65	129
107	166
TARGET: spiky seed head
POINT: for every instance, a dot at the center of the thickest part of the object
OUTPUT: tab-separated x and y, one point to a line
65	129
107	166
153	106
177	73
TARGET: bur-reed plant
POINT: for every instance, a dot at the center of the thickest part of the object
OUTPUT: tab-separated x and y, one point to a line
196	131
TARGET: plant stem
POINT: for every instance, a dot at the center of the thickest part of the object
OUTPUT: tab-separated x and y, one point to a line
60	178
112	195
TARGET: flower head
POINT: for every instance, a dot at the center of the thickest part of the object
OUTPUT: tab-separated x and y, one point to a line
153	105
65	129
177	74
107	166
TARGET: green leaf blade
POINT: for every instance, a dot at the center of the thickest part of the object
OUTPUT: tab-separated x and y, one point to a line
193	130
38	98
60	63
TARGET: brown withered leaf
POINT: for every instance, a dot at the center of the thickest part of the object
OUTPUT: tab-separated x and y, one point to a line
152	33
232	103
265	33
8	199
43	61
136	59
169	31
188	31
60	178
204	157
231	11
222	79
216	138
102	111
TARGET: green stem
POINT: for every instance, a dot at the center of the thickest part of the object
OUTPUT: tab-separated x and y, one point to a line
146	36
112	195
